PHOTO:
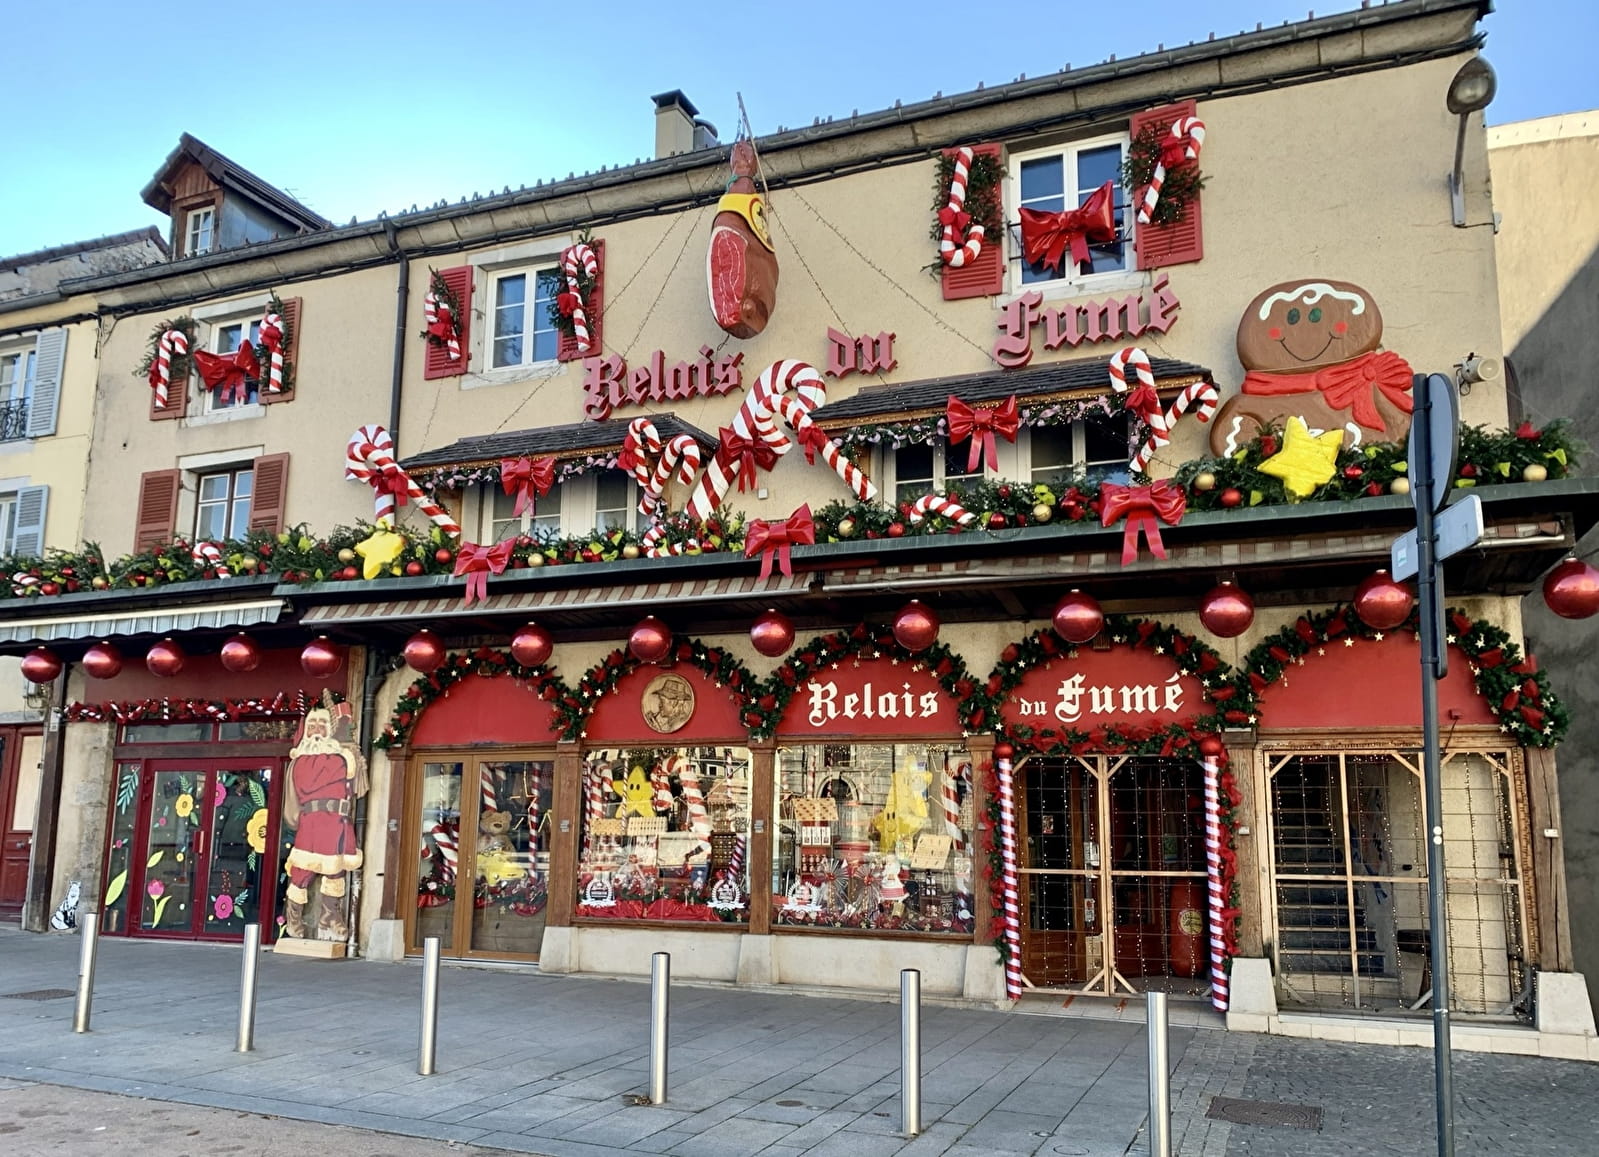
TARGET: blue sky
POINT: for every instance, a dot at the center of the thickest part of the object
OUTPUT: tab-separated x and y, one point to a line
358	107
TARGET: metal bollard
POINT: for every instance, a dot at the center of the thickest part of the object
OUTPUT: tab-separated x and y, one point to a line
430	1006
660	999
89	928
1159	1077
252	955
910	1051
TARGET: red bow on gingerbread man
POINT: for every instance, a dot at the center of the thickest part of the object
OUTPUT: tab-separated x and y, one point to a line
981	426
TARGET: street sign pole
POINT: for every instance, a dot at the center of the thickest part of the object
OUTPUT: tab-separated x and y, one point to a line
1434	391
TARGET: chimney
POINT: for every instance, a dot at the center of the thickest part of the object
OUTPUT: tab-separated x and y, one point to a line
674	124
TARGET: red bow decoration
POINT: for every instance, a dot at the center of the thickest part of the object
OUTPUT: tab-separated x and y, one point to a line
981	426
773	539
443	328
478	562
1174	151
959	218
228	372
568	303
740	456
1142	506
1045	235
271	338
392	480
813	440
1352	385
524	477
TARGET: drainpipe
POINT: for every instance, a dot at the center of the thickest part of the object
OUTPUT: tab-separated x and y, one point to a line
402	291
372	676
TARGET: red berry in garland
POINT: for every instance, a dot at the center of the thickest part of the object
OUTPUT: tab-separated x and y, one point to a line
1353	471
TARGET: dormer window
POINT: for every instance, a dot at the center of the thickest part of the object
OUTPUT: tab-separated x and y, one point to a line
201	231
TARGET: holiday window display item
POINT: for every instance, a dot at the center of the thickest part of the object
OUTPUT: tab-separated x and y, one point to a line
1571	590
441	310
326	776
772	633
1164	163
1078	617
41	665
102	661
569	312
1010	902
532	645
1227	611
424	652
940	504
321	657
1048	237
165	659
741	266
1306	461
916	626
1310	350
1382	603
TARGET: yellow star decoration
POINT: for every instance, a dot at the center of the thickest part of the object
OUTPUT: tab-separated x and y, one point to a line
1306	460
378	551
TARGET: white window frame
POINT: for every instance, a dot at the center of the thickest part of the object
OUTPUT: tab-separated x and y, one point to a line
1079	466
202	219
1072	282
491	310
26	360
216	318
8	522
231	470
579	507
887	473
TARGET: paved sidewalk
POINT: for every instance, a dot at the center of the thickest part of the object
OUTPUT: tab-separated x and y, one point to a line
549	1065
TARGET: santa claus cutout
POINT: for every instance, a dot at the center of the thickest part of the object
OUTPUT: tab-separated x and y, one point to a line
326	776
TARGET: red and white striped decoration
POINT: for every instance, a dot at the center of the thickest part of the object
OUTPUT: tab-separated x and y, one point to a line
271	337
596	786
572	259
1218	941
699	820
1190	132
735	862
170	343
435	310
369	458
1159	421
533	813
661	785
1008	880
640	446
949	801
654	548
209	554
940	504
681	455
445	838
951	250
489	795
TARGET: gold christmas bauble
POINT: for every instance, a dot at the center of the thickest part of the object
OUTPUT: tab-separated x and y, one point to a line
1535	472
1400	486
1204	480
1042	513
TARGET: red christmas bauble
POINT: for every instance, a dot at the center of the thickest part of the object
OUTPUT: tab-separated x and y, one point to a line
916	626
321	657
651	641
40	665
1382	603
1211	746
424	652
1232	496
773	633
102	661
1227	611
532	645
165	659
1078	617
1004	751
241	653
1572	589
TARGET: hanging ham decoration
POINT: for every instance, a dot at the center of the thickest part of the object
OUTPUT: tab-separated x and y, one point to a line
742	268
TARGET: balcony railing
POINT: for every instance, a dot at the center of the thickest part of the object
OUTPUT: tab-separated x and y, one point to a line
13	420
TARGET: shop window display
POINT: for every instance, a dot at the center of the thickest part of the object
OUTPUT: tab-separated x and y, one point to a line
665	834
875	836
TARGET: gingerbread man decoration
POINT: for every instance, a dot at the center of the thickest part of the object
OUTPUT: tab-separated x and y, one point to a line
1310	350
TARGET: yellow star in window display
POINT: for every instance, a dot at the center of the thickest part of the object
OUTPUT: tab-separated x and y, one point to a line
1306	460
379	550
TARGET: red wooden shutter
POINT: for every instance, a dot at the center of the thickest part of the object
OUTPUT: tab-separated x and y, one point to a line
270	495
438	363
1161	245
177	400
568	351
156	522
985	276
291	354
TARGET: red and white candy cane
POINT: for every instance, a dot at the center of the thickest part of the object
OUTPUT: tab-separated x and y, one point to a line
699	820
955	217
1218	939
654	548
209	554
1146	403
1007	846
939	504
661	785
639	447
271	337
814	439
489	800
369	458
735	861
949	801
172	342
573	258
444	838
681	454
441	318
1189	132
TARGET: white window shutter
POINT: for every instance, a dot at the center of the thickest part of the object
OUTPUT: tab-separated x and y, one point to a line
32	504
50	356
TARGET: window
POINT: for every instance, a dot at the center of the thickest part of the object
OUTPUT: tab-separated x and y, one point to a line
523	333
604	500
8	524
1058	179
921	469
201	231
222	509
1091	450
16	392
226	338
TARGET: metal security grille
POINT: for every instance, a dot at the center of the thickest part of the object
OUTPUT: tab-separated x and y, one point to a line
1113	890
1349	880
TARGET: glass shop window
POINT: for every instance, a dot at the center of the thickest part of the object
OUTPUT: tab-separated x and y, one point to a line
666	834
876	837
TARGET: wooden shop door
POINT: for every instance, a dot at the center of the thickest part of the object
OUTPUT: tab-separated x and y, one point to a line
21	750
1057	820
480	824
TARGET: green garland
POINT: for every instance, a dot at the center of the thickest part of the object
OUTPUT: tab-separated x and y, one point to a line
574	705
866	640
1180	185
181	365
1516	691
983	177
486	662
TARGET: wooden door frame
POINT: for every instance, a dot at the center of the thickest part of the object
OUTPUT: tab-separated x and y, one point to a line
12	736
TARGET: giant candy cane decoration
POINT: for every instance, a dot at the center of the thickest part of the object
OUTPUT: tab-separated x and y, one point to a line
1146	404
174	341
699	820
1188	132
1218	940
271	335
571	302
954	218
1007	848
680	455
369	458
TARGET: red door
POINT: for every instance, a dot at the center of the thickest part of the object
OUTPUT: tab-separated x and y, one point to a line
20	750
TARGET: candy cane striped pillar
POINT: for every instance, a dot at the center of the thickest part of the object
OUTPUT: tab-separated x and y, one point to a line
1007	847
1218	941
